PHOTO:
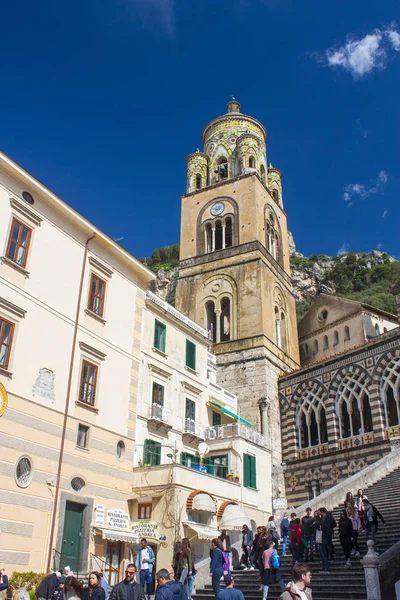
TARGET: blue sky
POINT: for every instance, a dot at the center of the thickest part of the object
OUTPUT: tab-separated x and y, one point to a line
103	101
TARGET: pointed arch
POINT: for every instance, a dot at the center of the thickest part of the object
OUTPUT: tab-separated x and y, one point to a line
311	413
273	234
351	391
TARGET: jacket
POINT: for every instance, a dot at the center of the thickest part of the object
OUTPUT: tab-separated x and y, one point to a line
295	534
284	526
266	557
307	525
164	592
184	561
177	589
372	514
97	594
4	585
47	586
290	593
247	539
226	542
151	562
127	591
216	565
345	528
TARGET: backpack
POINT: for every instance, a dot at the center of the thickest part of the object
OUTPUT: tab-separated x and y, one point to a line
275	560
285	526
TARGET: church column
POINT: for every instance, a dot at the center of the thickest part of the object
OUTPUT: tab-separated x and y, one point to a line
264	405
213	238
223	235
218	325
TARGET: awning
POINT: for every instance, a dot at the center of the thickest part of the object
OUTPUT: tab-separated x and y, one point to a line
204	502
203	532
234	518
231	414
119	536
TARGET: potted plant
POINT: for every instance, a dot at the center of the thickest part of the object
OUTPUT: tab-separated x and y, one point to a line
236	478
230	475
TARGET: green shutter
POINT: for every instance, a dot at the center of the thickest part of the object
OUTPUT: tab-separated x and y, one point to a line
207	462
157	454
159	335
253	476
151	453
249	471
190	355
146	452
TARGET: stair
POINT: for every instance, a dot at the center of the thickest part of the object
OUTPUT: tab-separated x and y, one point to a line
341	583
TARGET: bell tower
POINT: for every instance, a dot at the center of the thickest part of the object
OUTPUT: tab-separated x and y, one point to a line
234	274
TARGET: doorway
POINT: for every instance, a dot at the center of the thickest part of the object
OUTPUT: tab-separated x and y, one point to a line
71	540
113	560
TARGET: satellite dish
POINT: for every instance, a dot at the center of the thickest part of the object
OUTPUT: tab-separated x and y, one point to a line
203	448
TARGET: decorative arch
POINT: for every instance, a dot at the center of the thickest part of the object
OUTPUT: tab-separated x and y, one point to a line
273	234
229	219
191	497
350	391
223	506
280	318
387	379
311	418
219	302
288	429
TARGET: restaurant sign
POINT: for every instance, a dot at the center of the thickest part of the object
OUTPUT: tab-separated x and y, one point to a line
147	529
117	519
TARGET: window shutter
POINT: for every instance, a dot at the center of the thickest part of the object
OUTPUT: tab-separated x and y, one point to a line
159	335
146	453
246	470
190	355
157	453
163	331
253	477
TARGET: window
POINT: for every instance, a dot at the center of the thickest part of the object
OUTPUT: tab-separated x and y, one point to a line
152	453
222	168
78	484
252	162
335	338
88	383
96	295
216	419
144	511
311	418
82	438
190	410
160	330
275	195
326	342
18	243
273	238
377	329
353	407
6	337
23	471
120	449
28	197
217	465
262	173
249	471
198	181
390	392
315	346
190	355
158	394
189	460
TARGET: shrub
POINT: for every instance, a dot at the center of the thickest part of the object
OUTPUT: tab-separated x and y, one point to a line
28	580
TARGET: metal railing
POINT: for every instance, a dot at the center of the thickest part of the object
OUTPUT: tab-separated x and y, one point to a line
97	563
222	432
158	412
194	427
56	559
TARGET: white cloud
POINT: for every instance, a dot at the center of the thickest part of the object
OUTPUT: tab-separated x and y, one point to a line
362	56
385	212
344	248
379	246
354	191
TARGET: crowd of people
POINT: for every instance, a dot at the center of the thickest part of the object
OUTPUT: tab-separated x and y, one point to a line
306	538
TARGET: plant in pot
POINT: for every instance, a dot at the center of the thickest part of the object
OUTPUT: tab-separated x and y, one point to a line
230	475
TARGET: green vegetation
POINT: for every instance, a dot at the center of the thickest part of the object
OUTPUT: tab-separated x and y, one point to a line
163	258
28	580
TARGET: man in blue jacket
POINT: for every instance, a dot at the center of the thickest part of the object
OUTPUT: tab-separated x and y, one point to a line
145	560
216	566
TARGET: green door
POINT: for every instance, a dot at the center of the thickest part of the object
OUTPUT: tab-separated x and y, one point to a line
71	539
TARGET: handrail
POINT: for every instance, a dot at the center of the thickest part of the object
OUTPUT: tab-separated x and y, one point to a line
105	563
56	553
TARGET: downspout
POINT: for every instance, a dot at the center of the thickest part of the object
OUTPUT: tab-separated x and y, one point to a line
67	399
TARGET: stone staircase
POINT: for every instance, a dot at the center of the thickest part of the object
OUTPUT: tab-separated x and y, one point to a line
341	583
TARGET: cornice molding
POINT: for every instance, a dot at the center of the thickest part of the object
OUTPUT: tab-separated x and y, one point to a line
25	211
12	308
93	351
100	267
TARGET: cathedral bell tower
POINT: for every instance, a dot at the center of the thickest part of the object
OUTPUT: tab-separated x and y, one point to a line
234	274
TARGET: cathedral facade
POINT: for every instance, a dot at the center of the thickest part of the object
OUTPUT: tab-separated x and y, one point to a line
234	275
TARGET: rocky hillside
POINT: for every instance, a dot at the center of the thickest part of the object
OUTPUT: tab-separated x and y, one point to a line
364	276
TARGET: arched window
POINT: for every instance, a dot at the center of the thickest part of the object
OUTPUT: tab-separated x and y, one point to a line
225	320
283	332
347	333
311	418
353	407
326	342
228	232
222	168
208	237
252	162
335	338
390	392
218	235
275	195
278	328
218	318
385	330
273	240
377	329
315	346
262	173
304	351
198	181
211	320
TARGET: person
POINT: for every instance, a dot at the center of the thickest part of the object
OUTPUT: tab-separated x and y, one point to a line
94	590
247	543
47	586
322	536
163	592
358	504
104	584
3	582
67	571
345	535
284	532
295	540
128	589
329	526
371	521
59	591
356	524
216	566
178	591
270	574
73	589
272	531
307	524
230	592
192	570
298	588
145	560
349	499
226	549
255	546
317	526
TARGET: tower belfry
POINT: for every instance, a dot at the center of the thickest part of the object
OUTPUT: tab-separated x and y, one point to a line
235	272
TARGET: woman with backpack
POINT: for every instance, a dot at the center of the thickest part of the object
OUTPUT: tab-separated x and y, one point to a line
271	564
295	544
226	549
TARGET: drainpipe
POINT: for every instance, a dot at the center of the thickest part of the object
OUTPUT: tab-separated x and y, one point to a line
64	429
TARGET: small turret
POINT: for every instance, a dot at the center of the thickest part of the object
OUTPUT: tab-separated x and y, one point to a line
233	106
275	184
196	171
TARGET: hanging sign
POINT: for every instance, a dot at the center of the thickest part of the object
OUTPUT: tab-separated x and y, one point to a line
117	519
280	503
100	514
146	529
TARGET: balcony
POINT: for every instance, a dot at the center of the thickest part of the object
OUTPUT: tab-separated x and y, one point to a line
158	417
234	430
193	429
222	396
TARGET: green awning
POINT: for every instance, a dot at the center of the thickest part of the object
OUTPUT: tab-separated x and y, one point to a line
231	414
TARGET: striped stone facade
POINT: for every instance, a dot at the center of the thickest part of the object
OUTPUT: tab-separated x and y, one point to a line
367	371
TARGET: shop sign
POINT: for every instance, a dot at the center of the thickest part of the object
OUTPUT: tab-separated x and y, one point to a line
280	503
100	514
146	529
117	519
